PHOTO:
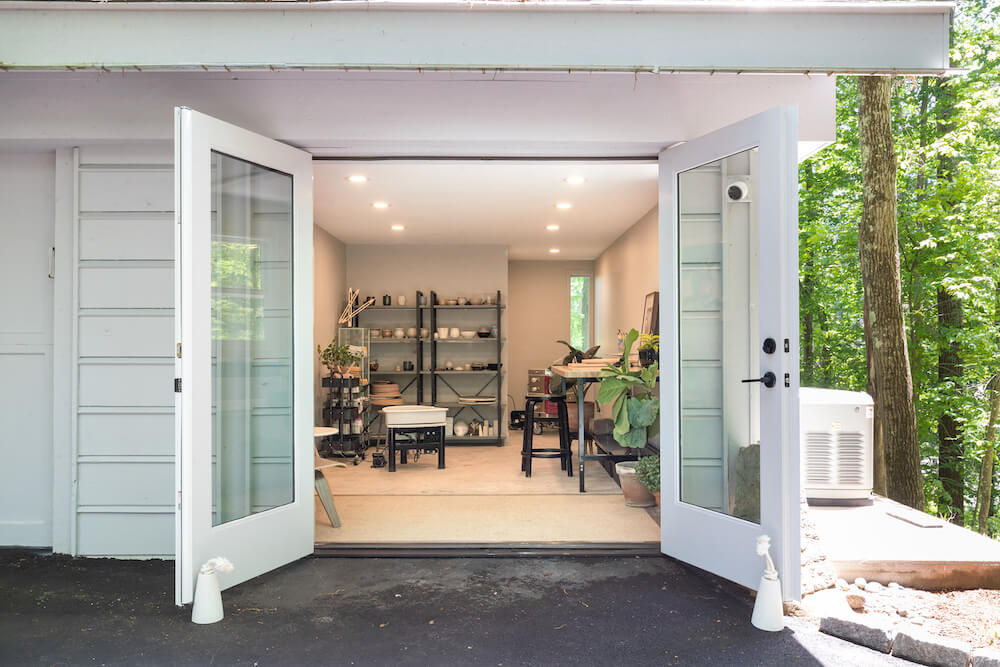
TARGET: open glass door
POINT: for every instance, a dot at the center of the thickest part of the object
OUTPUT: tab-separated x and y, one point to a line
243	316
729	349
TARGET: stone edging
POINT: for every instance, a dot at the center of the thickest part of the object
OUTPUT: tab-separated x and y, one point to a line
908	642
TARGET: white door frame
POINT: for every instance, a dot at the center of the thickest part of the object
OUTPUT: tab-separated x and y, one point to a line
263	541
707	539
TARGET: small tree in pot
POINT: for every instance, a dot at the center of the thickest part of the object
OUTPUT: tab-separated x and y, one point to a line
337	358
647	471
636	414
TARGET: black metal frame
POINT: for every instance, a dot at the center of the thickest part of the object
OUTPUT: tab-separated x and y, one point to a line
422	438
340	413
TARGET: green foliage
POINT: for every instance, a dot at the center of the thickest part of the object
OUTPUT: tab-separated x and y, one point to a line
647	471
649	342
579	312
634	408
947	137
337	358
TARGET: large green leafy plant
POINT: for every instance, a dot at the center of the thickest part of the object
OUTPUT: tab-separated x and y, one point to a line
635	409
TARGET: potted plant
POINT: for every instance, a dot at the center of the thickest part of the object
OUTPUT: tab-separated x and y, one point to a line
635	410
338	359
649	349
647	471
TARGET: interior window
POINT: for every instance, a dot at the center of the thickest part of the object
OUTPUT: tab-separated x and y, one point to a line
579	312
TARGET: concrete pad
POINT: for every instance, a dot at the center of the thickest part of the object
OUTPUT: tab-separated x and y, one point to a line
927	649
986	657
874	632
889	542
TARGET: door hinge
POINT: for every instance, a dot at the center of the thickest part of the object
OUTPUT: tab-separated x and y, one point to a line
178	500
788	380
177	385
178	350
788	345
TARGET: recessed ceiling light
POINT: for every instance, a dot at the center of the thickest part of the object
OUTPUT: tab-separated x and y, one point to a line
554	250
380	204
575	180
552	228
563	205
397	228
357	178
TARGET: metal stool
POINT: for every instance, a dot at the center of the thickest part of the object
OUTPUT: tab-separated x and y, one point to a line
529	451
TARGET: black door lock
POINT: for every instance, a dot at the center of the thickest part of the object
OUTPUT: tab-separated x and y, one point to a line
768	379
770	346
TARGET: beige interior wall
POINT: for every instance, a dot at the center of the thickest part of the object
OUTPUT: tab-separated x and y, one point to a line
330	295
624	274
539	316
472	271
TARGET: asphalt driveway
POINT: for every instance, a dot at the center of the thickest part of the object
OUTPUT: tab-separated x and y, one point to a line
57	610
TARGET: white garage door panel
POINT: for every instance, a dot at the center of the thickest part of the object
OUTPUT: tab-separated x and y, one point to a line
108	190
133	434
269	433
120	534
127	286
125	484
140	384
270	483
127	335
26	443
127	238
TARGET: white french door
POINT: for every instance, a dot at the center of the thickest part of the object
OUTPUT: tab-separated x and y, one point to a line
244	328
729	349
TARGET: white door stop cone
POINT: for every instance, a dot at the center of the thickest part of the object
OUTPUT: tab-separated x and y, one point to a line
768	610
207	606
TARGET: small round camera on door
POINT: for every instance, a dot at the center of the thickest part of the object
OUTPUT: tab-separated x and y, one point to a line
738	191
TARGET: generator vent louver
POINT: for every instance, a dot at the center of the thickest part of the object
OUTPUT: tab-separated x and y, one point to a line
836	442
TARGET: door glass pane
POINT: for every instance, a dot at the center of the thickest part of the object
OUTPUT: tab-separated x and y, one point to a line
720	441
252	452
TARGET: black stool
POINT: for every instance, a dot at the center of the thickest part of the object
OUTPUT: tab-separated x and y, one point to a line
529	452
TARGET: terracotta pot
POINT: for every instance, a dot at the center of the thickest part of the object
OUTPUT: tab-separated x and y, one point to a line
657	495
636	494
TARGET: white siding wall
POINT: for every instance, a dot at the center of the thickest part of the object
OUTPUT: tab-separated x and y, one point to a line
27	181
122	435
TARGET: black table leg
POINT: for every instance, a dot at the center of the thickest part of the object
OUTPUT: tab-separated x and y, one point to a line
392	450
440	432
582	426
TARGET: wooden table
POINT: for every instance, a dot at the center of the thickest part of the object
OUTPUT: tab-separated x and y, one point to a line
582	373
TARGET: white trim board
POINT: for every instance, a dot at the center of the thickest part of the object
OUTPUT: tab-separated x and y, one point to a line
895	37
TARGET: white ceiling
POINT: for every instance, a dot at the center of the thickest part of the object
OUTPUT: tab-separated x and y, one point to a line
486	202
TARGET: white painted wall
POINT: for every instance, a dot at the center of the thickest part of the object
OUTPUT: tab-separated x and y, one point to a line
624	274
27	181
329	290
539	316
406	113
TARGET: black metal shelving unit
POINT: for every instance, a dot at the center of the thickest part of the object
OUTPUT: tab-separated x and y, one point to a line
492	378
343	404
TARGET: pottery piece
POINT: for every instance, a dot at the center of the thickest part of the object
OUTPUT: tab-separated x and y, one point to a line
468	334
400	300
454	332
423	333
411	332
386	333
462	301
461	429
399	333
449	365
468	367
386	300
442	332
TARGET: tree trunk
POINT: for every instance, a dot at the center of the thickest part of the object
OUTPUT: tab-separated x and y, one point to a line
951	449
983	497
885	331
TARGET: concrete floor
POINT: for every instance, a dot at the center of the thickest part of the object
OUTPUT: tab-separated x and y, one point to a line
885	541
553	611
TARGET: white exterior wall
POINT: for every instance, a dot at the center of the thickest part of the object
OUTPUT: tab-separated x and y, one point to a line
118	329
26	211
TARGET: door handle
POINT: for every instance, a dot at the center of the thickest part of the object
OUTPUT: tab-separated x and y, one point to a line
768	379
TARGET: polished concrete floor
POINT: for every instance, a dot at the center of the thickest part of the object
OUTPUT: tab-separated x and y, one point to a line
481	496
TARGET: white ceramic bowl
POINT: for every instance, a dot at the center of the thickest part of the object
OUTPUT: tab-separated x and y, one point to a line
468	334
461	429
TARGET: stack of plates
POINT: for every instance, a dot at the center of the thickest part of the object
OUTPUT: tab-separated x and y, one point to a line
386	393
477	400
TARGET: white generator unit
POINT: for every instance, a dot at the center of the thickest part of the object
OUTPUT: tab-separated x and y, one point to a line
836	436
